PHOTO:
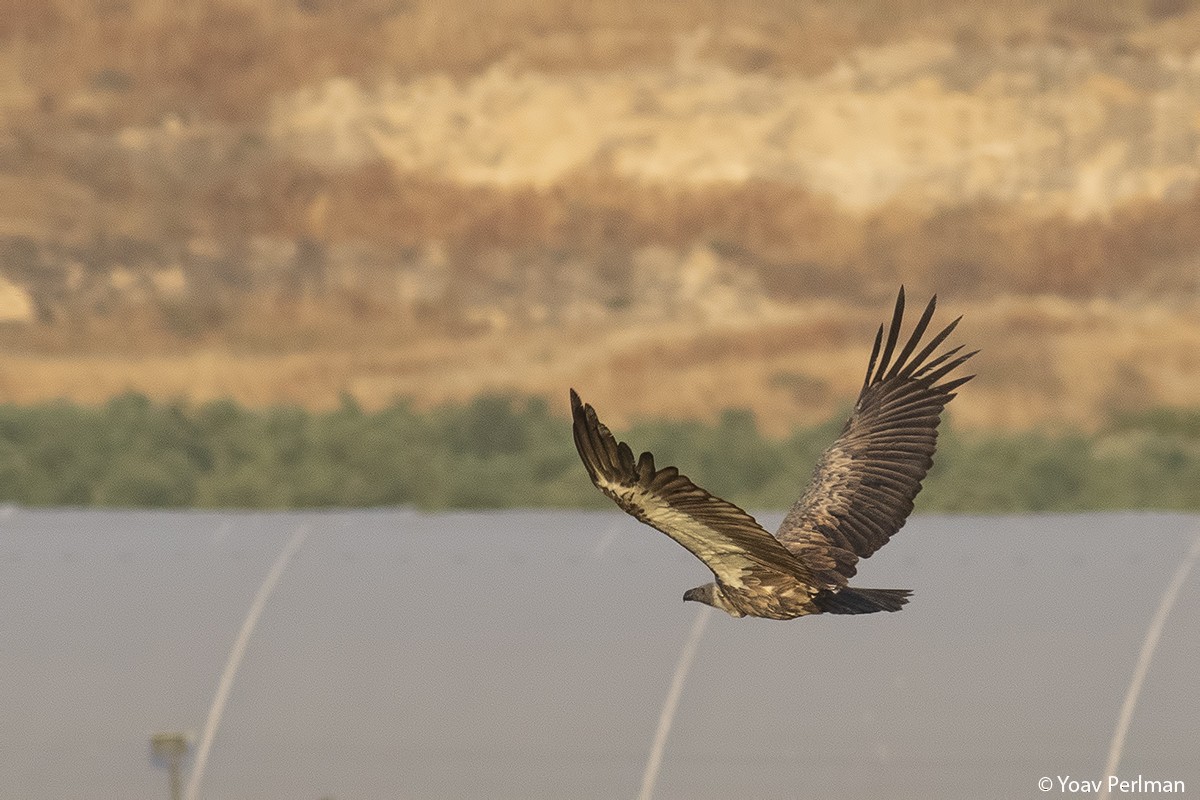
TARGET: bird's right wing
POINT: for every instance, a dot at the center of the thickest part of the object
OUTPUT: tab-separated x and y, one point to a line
863	487
723	536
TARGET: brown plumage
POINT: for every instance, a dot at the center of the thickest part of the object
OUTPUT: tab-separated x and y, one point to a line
861	492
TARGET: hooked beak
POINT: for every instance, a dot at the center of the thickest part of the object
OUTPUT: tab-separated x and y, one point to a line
692	594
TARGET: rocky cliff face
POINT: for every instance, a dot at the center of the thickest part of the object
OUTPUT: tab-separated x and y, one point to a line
518	195
712	219
927	123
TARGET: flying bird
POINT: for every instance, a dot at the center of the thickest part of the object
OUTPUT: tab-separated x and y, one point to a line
861	492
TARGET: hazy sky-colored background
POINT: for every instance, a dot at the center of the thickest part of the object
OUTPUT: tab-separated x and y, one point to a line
524	655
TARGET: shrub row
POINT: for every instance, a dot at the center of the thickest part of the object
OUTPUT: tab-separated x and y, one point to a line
499	451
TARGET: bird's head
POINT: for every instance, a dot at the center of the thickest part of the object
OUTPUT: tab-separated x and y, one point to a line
711	595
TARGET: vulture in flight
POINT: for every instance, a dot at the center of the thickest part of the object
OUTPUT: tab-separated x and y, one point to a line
861	492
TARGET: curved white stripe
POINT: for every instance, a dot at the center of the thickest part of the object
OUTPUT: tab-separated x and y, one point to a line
235	658
607	539
650	776
1153	633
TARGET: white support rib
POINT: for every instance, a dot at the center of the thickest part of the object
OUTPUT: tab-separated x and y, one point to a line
235	658
671	704
1153	634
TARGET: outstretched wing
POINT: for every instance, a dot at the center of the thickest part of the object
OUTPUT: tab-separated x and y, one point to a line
720	534
863	486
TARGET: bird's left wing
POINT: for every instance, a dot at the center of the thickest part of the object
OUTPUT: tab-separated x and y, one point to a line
720	534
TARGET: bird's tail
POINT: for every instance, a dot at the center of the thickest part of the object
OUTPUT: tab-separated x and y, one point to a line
861	601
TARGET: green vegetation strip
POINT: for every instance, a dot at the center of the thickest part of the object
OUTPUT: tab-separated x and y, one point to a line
501	452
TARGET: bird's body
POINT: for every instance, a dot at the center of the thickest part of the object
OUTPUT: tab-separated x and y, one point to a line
861	492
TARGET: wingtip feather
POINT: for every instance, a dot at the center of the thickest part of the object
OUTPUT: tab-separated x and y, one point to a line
889	347
913	340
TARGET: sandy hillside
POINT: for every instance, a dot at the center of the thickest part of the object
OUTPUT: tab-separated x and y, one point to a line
676	208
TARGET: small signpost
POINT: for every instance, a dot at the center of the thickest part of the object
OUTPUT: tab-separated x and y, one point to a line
169	750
